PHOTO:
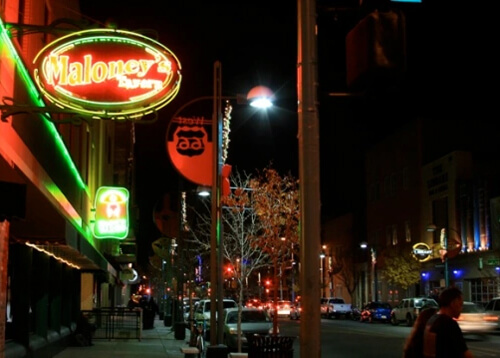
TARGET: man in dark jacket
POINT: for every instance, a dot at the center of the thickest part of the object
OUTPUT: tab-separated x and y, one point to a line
443	337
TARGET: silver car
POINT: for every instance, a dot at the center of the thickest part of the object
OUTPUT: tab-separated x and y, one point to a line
253	321
474	319
492	309
408	309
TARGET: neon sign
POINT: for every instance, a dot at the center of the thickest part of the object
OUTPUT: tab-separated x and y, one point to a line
421	252
111	213
107	73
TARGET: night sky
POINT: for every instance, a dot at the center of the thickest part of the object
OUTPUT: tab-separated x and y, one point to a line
256	45
448	59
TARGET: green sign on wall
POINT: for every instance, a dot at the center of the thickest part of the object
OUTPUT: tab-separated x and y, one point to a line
111	213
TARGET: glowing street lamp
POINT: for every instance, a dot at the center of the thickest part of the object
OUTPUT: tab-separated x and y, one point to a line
373	252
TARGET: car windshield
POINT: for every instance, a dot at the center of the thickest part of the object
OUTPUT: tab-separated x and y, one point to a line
425	302
226	304
248	317
472	308
382	305
337	300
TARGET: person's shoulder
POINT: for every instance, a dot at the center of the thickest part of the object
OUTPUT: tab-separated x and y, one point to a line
437	321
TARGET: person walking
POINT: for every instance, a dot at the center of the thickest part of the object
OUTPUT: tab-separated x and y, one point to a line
443	337
414	344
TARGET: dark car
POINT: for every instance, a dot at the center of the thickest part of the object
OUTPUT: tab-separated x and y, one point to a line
376	311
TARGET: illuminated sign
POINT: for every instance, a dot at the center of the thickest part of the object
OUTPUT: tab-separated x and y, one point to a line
189	145
107	73
111	213
421	251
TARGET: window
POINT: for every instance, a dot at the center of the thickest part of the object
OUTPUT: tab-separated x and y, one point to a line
388	235
407	231
484	290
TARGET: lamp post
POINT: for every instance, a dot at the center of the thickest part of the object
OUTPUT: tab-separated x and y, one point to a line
443	252
373	254
259	97
322	256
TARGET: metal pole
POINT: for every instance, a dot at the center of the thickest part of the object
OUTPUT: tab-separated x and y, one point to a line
446	276
281	282
215	238
308	135
375	274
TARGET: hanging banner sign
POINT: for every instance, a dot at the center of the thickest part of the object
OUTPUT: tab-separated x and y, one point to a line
190	148
111	213
107	73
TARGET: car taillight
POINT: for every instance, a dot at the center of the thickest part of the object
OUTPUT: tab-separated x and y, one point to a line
489	318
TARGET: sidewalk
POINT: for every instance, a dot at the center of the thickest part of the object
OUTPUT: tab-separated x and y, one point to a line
156	342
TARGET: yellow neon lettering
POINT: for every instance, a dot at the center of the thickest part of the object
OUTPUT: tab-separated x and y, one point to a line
59	71
75	73
131	67
54	69
99	72
87	69
165	67
145	66
116	68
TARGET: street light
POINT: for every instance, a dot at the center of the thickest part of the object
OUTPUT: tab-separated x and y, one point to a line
443	251
259	97
373	252
322	256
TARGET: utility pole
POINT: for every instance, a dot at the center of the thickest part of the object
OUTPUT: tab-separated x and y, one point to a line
308	127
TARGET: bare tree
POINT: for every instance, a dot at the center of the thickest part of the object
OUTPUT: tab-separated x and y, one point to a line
241	230
347	268
276	202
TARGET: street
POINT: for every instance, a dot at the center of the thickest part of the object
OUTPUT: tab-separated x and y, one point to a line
346	339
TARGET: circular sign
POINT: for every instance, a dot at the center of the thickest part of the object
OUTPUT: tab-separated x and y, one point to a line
107	73
421	251
189	145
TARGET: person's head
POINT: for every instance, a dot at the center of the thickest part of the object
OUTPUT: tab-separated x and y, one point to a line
451	301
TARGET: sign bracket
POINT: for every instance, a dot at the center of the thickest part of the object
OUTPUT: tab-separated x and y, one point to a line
10	108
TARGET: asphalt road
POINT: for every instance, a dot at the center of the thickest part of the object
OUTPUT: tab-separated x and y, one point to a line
347	339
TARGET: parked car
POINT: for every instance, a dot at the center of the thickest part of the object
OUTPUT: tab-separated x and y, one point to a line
253	321
337	307
323	306
202	312
475	320
295	311
254	302
408	309
376	311
493	310
283	308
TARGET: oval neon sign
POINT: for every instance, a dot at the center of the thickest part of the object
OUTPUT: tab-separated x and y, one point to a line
421	251
107	73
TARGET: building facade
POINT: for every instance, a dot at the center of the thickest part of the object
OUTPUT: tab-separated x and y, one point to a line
51	165
445	203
